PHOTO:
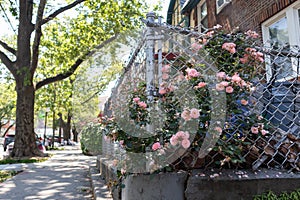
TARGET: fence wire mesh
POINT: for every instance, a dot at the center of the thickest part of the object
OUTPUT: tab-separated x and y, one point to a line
206	100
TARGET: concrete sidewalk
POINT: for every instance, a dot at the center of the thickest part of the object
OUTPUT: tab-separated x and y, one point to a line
66	175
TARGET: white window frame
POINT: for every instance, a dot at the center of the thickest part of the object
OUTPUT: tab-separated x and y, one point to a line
220	7
293	26
199	11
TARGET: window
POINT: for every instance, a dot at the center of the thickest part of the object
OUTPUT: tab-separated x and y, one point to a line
202	16
282	33
221	4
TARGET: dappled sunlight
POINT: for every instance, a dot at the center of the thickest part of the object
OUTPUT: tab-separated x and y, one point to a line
64	176
8	186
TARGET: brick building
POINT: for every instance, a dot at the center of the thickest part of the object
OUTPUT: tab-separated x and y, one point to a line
278	23
257	15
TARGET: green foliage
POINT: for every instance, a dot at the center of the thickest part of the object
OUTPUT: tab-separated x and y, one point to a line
17	160
294	195
237	62
4	175
91	139
7	101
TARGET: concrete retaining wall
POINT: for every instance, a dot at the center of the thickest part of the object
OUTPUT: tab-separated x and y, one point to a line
200	185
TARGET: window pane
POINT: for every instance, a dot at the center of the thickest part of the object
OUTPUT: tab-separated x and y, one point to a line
220	2
204	22
282	66
203	10
279	32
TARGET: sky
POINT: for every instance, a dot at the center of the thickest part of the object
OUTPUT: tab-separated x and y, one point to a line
5	28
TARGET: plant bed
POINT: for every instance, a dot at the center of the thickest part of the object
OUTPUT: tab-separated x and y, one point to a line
4	175
23	160
204	184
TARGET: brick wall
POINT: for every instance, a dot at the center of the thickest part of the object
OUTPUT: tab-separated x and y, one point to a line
245	14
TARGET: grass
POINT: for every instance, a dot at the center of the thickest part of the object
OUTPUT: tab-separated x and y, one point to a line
295	195
22	160
4	175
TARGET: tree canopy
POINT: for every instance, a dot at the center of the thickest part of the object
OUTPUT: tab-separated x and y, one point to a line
52	41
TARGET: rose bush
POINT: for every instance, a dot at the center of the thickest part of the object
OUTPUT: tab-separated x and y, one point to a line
238	62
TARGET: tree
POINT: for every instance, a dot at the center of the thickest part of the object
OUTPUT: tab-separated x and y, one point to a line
96	24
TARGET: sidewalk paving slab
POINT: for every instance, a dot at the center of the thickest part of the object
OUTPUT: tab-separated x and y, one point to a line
66	175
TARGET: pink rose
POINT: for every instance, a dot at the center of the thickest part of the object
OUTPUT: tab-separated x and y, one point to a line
165	69
180	135
219	87
192	72
162	91
236	78
156	146
165	76
194	113
218	129
185	143
136	99
142	104
171	88
174	140
221	75
254	130
200	85
264	132
224	83
229	46
229	89
210	33
186	115
244	102
244	59
196	46
252	34
123	171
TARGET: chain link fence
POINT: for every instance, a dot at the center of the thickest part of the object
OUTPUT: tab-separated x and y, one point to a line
205	100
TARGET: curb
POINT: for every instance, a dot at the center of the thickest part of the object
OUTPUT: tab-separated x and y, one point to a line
99	188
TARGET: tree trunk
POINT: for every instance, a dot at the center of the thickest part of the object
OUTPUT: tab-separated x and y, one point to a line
75	134
25	139
67	128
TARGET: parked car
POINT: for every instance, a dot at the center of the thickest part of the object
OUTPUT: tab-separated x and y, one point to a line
8	138
10	147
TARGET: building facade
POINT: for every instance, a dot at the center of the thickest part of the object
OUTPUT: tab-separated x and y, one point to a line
278	24
257	15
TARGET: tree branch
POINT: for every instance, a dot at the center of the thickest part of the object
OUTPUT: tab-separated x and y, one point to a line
101	89
37	37
74	67
8	48
7	62
60	10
